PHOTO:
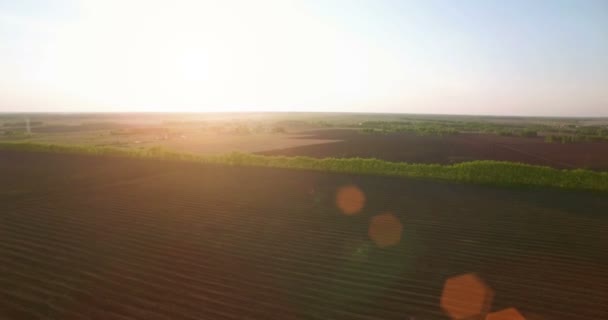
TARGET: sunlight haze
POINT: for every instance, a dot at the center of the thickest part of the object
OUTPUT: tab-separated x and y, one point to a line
455	57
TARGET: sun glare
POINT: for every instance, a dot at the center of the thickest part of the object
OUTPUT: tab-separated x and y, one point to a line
209	56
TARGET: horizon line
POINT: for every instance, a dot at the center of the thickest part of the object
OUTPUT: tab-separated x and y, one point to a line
302	112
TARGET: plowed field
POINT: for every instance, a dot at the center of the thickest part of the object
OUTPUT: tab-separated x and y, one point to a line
409	147
85	237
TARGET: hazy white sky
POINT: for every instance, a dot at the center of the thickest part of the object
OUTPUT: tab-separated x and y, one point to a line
465	57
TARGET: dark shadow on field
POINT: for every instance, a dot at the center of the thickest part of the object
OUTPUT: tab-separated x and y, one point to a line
182	241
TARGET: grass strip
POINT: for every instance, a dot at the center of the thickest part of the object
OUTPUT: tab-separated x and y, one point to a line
488	172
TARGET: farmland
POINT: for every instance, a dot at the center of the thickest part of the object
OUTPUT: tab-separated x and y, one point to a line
555	142
215	134
409	147
114	238
152	217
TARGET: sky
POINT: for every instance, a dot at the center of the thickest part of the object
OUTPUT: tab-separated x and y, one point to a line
492	57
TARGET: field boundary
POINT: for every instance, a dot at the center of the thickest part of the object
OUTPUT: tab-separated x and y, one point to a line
501	173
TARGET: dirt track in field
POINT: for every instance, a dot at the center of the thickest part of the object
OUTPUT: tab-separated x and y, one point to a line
452	149
108	238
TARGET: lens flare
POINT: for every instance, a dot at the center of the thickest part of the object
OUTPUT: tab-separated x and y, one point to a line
465	296
506	314
350	200
385	230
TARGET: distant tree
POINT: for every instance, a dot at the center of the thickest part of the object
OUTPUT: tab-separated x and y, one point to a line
529	133
549	139
505	132
278	129
241	129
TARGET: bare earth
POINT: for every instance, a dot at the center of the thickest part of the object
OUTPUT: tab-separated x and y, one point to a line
452	149
85	237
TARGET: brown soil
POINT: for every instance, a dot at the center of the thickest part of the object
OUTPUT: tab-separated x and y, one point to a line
108	238
452	149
